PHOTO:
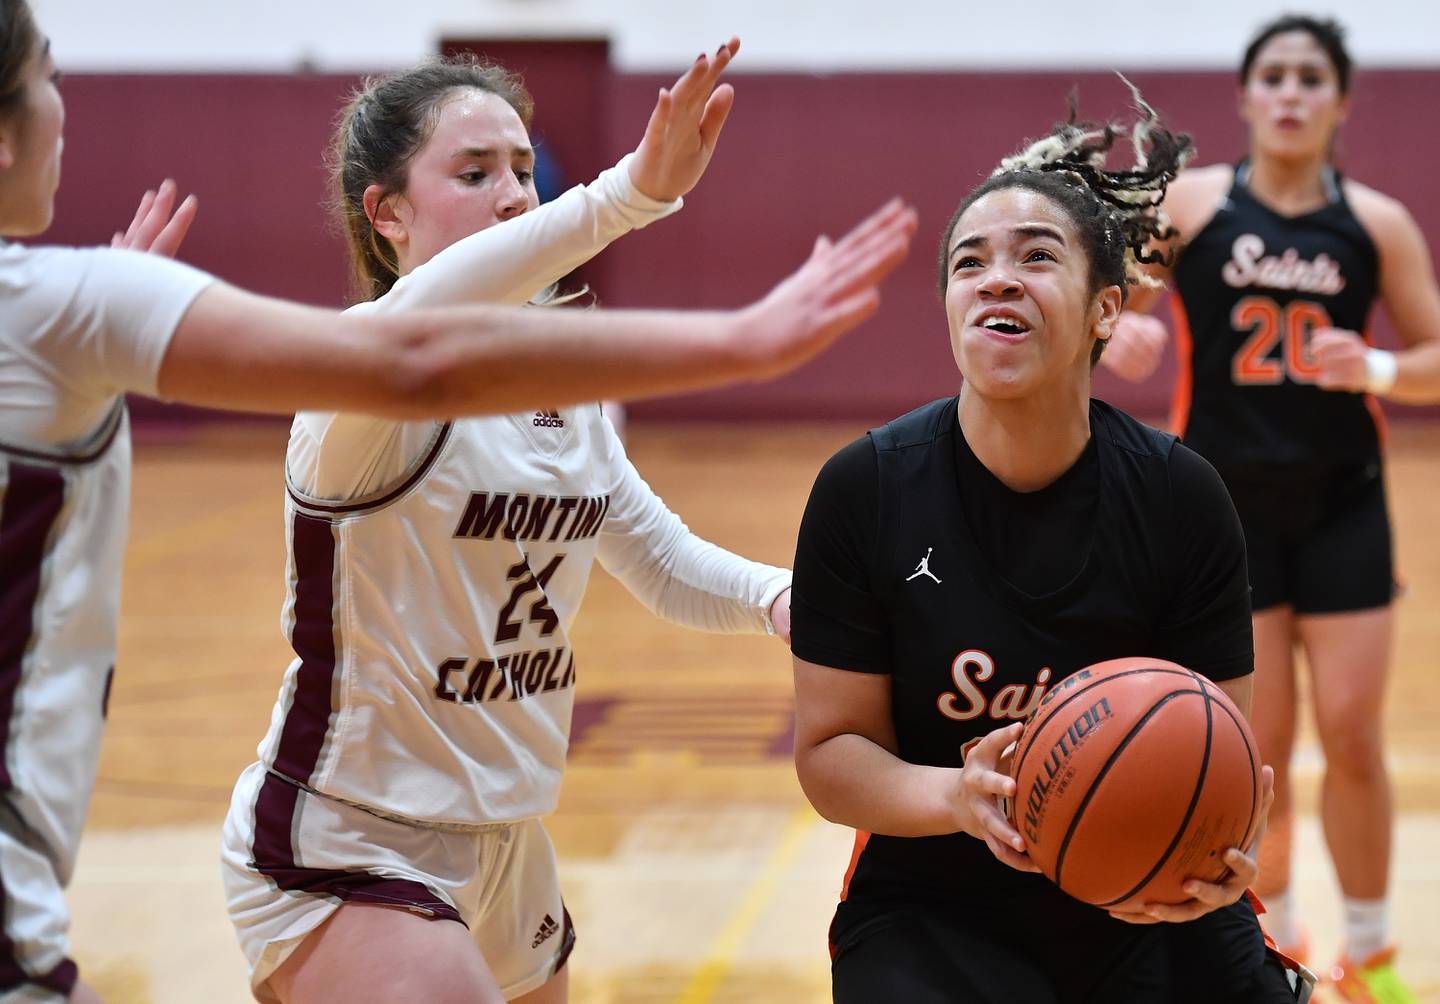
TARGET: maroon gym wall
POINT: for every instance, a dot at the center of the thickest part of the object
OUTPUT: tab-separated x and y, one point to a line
802	154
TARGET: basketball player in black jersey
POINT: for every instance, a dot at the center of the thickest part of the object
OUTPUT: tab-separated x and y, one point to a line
1282	261
956	563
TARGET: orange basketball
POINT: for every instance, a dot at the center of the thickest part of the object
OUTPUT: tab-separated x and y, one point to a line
1132	776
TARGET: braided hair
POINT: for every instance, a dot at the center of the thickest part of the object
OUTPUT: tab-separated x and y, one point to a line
1116	214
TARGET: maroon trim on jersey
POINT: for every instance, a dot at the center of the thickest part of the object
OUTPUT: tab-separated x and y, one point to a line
29	507
567	942
273	852
366	504
307	720
107	430
13	974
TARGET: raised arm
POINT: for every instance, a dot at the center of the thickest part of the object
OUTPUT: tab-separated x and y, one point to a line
512	261
236	350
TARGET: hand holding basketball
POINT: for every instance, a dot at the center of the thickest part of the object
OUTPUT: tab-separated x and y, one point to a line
1208	896
984	779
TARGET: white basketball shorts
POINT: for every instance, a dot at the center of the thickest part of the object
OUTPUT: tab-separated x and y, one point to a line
291	857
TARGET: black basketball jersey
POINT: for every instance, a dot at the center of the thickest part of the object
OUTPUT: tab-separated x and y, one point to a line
911	592
1251	286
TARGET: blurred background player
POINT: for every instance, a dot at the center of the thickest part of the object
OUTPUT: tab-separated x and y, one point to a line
1281	262
78	328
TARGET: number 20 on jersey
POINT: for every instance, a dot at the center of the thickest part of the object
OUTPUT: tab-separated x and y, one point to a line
1269	324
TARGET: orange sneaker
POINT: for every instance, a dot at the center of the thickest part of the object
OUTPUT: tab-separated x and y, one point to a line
1373	981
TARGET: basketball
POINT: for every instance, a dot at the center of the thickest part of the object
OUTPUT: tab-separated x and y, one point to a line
1132	776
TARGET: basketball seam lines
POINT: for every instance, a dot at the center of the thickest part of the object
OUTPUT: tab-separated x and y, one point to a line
1189	811
1022	754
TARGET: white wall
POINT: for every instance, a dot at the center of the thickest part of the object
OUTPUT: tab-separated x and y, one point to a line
279	35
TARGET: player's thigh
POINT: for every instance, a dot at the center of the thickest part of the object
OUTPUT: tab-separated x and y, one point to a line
368	953
1219	958
1275	693
555	990
918	961
1349	659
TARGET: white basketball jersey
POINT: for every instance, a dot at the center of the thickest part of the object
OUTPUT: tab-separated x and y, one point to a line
63	518
77	327
434	674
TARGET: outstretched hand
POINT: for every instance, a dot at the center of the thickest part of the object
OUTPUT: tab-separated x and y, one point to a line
1207	896
684	128
154	228
835	290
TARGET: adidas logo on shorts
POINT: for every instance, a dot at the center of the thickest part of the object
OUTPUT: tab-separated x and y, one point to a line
548	928
548	420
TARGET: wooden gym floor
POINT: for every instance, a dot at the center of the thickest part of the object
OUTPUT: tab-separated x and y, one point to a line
692	864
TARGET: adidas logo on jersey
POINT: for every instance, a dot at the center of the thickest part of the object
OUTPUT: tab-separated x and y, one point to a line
548	419
548	929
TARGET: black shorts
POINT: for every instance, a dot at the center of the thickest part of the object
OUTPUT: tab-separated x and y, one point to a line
926	955
1222	959
1316	539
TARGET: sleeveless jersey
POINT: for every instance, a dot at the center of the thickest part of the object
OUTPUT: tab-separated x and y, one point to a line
434	672
970	652
1251	286
435	675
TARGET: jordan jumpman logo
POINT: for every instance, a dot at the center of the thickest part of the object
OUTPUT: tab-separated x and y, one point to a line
924	567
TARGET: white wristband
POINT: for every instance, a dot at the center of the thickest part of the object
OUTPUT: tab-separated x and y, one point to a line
1380	371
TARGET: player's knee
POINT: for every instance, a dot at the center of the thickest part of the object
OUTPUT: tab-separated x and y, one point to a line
1353	749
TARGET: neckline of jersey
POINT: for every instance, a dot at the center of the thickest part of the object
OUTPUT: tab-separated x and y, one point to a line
1089	567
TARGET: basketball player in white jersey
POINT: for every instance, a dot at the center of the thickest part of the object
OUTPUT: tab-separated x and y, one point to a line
78	328
387	843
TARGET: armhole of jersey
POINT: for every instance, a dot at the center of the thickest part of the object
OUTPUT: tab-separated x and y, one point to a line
380	497
1216	204
86	451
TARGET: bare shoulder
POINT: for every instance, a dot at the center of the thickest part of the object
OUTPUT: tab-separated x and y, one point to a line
1194	196
1383	216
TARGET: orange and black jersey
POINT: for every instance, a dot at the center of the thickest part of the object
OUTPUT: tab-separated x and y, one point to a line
914	561
1250	288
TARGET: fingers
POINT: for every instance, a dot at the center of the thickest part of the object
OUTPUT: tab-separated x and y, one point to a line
156	218
700	79
154	229
168	241
146	201
717	110
1016	860
872	249
696	83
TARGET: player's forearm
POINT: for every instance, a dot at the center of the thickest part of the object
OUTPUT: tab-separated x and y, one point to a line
680	576
513	261
852	781
465	362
